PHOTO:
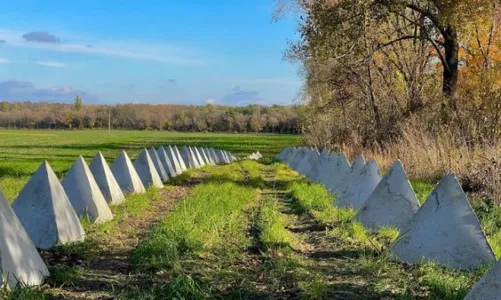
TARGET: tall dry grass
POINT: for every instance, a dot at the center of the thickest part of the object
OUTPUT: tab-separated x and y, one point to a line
428	156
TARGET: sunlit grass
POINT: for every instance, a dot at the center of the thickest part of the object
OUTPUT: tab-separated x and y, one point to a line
210	221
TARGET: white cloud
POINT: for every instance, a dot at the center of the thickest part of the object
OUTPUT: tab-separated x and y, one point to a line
3	60
261	81
51	64
128	49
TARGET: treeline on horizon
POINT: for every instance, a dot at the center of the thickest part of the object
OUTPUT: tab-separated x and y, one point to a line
210	118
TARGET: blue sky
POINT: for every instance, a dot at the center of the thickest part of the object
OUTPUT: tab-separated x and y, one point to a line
150	51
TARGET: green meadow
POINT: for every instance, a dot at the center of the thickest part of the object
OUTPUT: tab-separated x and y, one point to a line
22	151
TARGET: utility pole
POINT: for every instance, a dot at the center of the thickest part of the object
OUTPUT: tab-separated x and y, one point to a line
109	120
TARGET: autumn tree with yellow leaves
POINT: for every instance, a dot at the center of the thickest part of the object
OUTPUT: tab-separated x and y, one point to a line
373	65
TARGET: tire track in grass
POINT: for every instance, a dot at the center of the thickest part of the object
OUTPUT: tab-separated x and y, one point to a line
99	266
313	264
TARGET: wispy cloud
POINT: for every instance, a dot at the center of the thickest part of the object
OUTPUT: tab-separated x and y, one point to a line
27	91
3	60
40	37
260	81
134	50
51	64
239	96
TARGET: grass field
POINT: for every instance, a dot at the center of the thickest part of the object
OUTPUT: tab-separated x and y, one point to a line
247	230
22	151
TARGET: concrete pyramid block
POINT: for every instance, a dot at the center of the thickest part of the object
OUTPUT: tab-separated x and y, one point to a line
317	166
488	287
194	157
215	157
146	170
306	163
445	230
300	156
206	156
342	167
199	157
360	187
19	259
45	212
392	204
169	165
280	155
209	156
179	159
188	157
84	194
224	158
220	156
294	159
171	155
291	155
106	180
329	170
126	175
159	166
349	175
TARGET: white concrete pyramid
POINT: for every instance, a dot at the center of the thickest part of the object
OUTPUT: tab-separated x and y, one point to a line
84	193
318	166
179	158
19	259
187	157
106	180
205	156
199	157
146	170
209	156
290	157
342	167
168	164
488	287
304	167
349	175
392	204
280	156
298	156
227	158
45	211
171	155
445	230
158	163
215	157
219	155
193	155
360	187
126	175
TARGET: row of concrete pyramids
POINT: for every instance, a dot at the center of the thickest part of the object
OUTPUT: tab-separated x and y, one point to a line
255	156
46	212
444	229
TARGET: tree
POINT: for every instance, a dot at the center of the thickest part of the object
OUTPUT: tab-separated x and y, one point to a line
439	23
78	103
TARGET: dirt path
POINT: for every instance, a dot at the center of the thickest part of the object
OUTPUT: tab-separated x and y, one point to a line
325	255
102	269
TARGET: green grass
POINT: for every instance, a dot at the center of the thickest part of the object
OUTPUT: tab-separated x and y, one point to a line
23	151
314	199
422	189
210	222
271	225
